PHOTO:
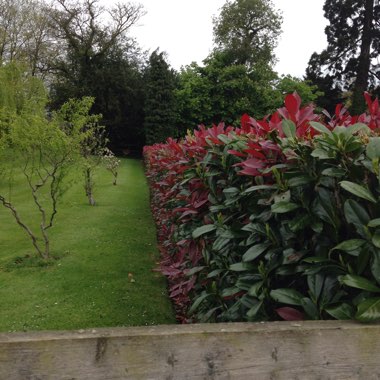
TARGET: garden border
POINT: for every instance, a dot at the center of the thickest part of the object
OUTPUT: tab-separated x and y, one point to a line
271	350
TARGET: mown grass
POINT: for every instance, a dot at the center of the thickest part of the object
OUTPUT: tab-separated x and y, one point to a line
102	274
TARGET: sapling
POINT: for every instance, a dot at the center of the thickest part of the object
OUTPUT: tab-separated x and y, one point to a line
90	138
112	164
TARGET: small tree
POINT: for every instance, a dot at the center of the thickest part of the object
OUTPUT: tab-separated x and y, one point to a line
112	164
45	153
44	147
89	136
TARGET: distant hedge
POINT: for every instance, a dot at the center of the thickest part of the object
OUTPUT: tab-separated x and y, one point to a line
278	219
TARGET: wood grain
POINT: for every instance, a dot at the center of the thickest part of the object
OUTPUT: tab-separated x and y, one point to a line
277	350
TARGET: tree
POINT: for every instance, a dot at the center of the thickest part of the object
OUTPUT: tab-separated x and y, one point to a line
353	37
248	30
100	60
221	91
237	77
26	35
88	135
287	84
159	107
37	145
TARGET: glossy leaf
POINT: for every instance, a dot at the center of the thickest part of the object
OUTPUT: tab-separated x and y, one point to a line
373	148
368	310
342	311
289	128
283	207
290	314
376	239
374	223
288	296
203	230
320	128
350	245
255	251
359	282
358	190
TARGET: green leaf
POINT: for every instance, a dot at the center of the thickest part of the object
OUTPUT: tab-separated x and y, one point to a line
343	311
350	245
255	251
252	312
376	239
260	187
219	243
287	296
374	223
231	190
299	181
321	154
240	267
300	222
215	272
228	292
368	310
375	264
224	139
289	128
203	230
373	148
283	207
194	270
316	259
320	128
358	190
355	213
352	129
334	172
310	308
197	303
358	282
254	290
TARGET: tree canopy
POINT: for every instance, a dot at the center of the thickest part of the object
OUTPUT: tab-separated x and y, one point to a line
349	61
248	30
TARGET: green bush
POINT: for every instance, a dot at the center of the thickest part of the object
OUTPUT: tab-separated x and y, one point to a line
277	220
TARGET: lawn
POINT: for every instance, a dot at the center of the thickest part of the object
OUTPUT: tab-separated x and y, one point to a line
103	274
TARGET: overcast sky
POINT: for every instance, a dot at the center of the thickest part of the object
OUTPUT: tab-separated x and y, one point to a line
183	28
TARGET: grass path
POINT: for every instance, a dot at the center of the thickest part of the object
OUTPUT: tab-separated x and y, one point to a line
104	276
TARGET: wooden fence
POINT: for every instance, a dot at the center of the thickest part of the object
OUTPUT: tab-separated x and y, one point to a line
277	350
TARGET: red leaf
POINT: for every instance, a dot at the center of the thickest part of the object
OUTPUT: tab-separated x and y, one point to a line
290	314
236	153
292	104
245	123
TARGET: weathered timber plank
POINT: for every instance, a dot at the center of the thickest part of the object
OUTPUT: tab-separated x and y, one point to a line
278	350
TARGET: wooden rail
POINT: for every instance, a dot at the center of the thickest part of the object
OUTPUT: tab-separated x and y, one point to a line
277	350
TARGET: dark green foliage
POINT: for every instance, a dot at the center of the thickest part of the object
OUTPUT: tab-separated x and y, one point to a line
353	36
222	91
102	62
248	30
159	107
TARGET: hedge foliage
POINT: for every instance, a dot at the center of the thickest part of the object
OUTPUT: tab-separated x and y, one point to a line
277	219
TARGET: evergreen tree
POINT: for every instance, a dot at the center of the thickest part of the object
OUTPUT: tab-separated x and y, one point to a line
353	37
159	108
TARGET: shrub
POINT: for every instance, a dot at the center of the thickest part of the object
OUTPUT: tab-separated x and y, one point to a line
278	219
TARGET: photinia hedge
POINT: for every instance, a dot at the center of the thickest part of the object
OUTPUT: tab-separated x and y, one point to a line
277	219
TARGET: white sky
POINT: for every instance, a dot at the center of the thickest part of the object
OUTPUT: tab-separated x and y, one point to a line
183	29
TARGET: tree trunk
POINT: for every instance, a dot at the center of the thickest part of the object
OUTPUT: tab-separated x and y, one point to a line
364	61
89	185
32	236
